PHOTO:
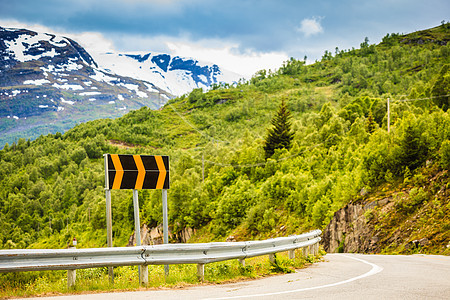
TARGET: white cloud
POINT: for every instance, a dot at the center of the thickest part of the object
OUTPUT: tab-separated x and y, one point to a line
92	41
9	23
228	57
310	26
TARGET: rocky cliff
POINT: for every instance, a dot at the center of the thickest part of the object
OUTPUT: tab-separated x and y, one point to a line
350	231
412	216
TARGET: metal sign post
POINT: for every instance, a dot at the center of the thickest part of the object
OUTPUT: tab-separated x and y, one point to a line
165	225
136	172
109	242
143	270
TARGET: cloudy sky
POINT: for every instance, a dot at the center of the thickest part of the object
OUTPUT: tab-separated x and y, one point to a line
243	36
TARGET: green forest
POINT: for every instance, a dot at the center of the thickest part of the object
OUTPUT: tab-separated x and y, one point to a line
223	181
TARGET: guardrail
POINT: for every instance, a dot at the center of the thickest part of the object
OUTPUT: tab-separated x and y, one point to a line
166	254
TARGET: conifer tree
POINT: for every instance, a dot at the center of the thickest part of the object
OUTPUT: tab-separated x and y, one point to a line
279	135
371	125
441	89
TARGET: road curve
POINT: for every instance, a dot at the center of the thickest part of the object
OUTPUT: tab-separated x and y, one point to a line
339	276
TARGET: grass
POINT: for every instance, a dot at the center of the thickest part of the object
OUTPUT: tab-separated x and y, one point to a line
52	283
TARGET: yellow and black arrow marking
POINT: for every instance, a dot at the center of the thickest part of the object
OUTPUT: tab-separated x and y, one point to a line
137	172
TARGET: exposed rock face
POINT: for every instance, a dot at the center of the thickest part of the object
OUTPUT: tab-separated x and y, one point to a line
349	230
185	235
154	236
410	218
149	236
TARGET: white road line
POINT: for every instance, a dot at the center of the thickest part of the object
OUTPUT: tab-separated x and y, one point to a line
375	269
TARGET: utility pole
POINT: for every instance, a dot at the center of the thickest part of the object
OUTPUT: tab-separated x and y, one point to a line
203	167
388	116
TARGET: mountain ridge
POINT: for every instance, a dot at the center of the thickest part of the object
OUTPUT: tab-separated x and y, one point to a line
178	75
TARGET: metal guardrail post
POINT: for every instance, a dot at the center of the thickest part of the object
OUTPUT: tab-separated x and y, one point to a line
71	278
291	254
72	273
144	275
242	261
272	257
201	272
305	251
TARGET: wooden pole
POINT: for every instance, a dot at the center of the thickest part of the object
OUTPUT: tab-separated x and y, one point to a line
388	116
203	167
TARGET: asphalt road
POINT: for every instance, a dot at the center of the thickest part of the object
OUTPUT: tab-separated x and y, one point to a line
339	276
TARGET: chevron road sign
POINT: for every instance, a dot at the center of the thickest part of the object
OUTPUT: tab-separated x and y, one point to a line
137	172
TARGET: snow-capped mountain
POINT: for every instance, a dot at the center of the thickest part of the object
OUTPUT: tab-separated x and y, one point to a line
50	83
176	75
32	62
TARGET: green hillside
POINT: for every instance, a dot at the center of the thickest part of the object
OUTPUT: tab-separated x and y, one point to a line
52	189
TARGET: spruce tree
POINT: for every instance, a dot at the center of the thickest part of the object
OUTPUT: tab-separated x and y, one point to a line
441	89
279	135
371	125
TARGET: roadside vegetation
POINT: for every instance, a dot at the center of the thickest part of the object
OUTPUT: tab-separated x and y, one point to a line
54	283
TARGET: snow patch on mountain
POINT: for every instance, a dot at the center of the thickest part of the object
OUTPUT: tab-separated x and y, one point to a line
36	82
73	87
24	42
176	75
89	93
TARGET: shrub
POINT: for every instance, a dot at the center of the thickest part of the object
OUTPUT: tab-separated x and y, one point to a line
444	153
